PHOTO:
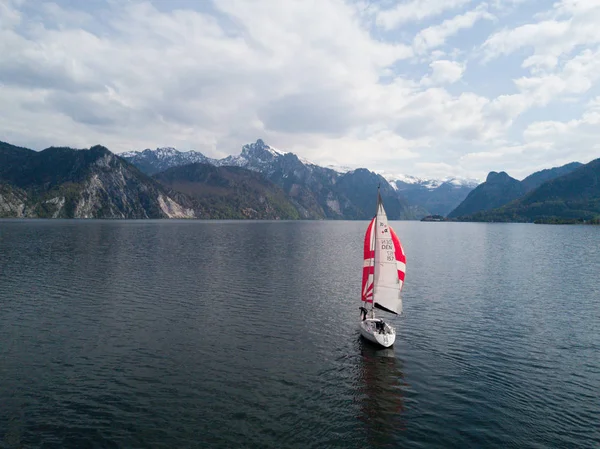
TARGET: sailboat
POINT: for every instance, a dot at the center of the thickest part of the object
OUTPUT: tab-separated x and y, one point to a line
383	277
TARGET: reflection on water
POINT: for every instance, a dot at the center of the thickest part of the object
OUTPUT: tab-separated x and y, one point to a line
380	384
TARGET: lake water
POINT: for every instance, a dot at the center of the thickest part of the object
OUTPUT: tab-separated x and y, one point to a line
245	334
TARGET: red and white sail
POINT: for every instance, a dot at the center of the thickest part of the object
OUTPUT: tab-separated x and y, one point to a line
384	264
369	264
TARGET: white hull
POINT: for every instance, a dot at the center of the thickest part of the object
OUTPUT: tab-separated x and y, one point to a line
385	337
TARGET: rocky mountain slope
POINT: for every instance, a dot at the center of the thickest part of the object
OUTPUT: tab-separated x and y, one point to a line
229	192
500	189
497	190
536	179
572	197
69	183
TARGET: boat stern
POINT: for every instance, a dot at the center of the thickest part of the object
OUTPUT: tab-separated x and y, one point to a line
371	330
385	340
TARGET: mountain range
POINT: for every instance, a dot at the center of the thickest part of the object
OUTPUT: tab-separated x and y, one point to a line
566	194
315	192
264	183
323	192
259	183
500	189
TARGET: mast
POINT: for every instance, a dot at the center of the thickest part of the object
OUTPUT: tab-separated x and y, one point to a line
373	242
374	239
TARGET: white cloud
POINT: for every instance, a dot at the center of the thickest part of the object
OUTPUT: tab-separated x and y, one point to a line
444	72
577	76
314	77
416	10
557	133
508	158
571	23
9	15
436	35
558	141
391	149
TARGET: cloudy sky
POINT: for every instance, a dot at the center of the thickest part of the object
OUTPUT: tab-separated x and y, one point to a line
423	87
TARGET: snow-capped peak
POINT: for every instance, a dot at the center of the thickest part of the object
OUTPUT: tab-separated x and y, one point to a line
261	151
129	153
165	152
275	151
339	168
460	181
407	179
430	184
306	161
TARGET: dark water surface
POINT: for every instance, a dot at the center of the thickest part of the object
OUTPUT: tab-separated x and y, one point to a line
244	334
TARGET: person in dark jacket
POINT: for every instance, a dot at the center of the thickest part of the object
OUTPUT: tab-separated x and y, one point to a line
363	313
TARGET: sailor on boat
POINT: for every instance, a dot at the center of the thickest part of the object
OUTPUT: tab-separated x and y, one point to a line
363	313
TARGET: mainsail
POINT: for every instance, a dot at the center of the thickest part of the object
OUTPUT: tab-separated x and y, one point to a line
384	264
